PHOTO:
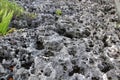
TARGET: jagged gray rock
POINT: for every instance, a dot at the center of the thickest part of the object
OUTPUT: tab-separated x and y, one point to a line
81	44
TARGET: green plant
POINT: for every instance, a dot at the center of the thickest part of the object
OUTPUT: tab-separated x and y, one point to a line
5	20
7	10
11	5
58	12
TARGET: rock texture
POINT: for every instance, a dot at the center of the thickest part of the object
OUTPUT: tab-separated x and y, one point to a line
81	44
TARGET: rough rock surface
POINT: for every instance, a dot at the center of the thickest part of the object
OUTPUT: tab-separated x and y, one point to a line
81	44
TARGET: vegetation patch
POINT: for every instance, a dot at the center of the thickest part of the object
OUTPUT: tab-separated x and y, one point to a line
8	9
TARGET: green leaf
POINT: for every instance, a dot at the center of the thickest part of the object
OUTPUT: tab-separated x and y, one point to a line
58	12
7	10
5	21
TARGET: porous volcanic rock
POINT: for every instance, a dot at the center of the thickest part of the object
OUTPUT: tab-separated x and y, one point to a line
81	44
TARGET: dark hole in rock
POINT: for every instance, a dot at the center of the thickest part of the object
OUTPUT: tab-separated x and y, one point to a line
99	1
91	44
5	47
56	18
77	69
82	70
94	33
23	58
47	72
16	51
72	51
2	79
95	78
109	78
103	57
88	49
107	8
53	13
32	9
24	46
42	71
25	22
112	12
4	57
91	61
86	33
69	35
96	37
12	42
84	58
64	66
48	54
113	20
104	41
105	67
73	62
23	76
39	45
80	0
118	76
1	58
27	65
64	33
113	41
80	21
61	31
32	71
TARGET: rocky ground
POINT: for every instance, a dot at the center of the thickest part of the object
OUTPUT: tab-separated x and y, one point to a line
81	44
